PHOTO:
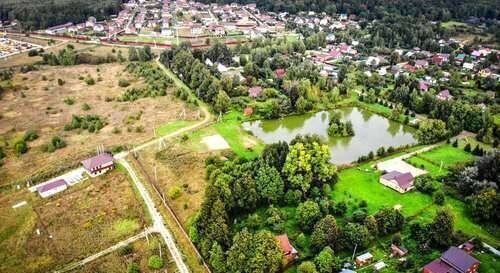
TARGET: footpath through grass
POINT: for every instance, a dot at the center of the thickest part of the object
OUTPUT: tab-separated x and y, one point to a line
173	126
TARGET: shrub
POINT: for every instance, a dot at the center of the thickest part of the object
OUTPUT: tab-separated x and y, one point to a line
30	135
123	83
69	101
33	53
174	192
60	82
125	250
467	147
155	262
89	80
2	153
116	130
424	184
438	198
21	147
133	268
85	107
55	144
92	123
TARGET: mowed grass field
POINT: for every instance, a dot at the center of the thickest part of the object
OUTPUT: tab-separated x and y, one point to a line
357	184
74	224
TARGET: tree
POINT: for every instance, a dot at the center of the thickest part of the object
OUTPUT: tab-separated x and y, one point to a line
389	220
21	147
431	131
222	102
251	253
217	259
275	154
484	205
441	228
132	54
307	267
326	262
269	184
307	214
425	184
308	164
354	234
325	233
155	262
133	268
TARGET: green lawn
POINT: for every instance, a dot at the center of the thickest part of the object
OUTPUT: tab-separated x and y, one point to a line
496	119
447	155
355	185
489	262
453	24
229	128
173	126
434	171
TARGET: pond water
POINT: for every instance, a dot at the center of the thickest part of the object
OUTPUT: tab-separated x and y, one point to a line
371	132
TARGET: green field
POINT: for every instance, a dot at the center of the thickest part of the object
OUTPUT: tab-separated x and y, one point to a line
173	126
447	156
145	39
356	184
453	24
434	171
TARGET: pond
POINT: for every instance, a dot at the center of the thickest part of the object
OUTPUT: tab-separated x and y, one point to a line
371	132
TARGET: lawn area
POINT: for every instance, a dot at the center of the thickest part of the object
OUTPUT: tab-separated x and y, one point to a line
496	119
489	263
446	155
242	144
355	185
433	170
173	126
453	24
144	39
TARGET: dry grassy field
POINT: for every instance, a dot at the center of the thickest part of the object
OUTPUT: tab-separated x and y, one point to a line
37	102
74	224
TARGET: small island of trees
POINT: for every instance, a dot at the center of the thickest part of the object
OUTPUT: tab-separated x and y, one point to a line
337	127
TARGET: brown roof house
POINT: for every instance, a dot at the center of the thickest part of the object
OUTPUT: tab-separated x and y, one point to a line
364	259
98	164
454	260
398	251
401	182
290	253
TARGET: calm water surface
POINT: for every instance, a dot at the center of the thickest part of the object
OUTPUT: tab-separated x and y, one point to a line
371	132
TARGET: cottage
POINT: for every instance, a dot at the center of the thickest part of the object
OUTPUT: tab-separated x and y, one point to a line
401	182
423	86
444	95
290	253
52	188
398	251
453	260
98	164
421	64
467	247
379	265
364	259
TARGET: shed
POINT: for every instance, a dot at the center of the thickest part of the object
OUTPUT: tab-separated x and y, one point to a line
364	259
52	188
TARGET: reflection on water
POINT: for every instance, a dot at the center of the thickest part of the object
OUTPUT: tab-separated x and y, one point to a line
371	132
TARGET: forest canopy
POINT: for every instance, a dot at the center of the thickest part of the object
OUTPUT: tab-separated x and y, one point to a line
39	14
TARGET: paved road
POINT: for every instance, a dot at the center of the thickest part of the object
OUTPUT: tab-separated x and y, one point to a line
158	223
106	251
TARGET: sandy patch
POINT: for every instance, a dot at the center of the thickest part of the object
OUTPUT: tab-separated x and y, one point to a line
215	142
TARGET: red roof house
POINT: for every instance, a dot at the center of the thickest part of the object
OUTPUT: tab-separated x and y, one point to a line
401	182
98	164
52	188
454	260
423	86
288	250
444	95
280	73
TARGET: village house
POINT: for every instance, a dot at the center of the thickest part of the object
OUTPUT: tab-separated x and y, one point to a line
98	164
453	260
444	95
398	251
364	259
467	247
52	188
289	252
401	182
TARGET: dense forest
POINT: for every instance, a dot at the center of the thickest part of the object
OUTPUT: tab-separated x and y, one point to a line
375	9
36	14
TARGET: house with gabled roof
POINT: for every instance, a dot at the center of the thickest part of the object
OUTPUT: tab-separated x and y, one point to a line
98	164
401	182
444	95
54	187
289	252
454	260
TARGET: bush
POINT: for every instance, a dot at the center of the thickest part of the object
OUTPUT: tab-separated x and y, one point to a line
30	135
85	107
21	147
92	123
125	250
438	198
155	262
424	184
55	144
133	268
69	101
60	82
123	83
467	148
2	153
89	80
174	192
